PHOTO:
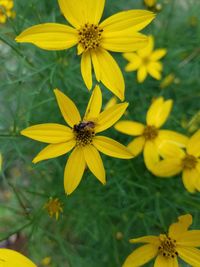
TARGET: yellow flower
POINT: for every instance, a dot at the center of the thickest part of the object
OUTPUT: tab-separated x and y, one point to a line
6	10
150	3
146	61
118	33
179	242
11	258
187	161
167	81
81	135
149	137
46	261
54	207
193	124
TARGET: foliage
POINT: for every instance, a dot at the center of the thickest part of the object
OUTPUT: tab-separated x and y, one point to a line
98	220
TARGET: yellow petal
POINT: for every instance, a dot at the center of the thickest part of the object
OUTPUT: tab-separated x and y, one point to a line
123	41
110	73
74	170
177	229
94	10
11	258
134	20
111	147
95	63
165	262
68	108
159	112
111	103
151	156
86	69
134	59
136	146
54	150
189	255
167	167
80	49
133	65
158	54
152	69
109	116
156	65
130	127
198	166
169	149
189	239
191	179
141	256
49	36
146	239
74	12
94	104
146	51
94	162
48	133
81	12
194	144
174	138
141	74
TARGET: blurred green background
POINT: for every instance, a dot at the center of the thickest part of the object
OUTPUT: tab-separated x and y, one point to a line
98	220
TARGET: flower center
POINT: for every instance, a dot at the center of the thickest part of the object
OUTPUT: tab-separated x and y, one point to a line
84	133
54	207
145	61
167	247
189	162
150	132
90	36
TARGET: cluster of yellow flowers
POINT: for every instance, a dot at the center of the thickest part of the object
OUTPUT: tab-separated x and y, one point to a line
6	11
167	247
166	153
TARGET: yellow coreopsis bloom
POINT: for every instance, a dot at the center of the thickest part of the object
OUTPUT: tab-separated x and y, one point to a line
11	258
179	242
54	207
187	161
118	33
167	81
150	3
46	261
81	135
149	137
6	7
146	61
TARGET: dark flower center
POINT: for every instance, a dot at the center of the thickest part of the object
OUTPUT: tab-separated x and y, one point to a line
150	132
90	36
145	61
84	133
167	247
189	162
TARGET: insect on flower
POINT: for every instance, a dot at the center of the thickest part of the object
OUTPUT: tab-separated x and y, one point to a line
81	136
82	126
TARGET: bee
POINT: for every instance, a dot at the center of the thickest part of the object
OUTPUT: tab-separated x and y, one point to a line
84	126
